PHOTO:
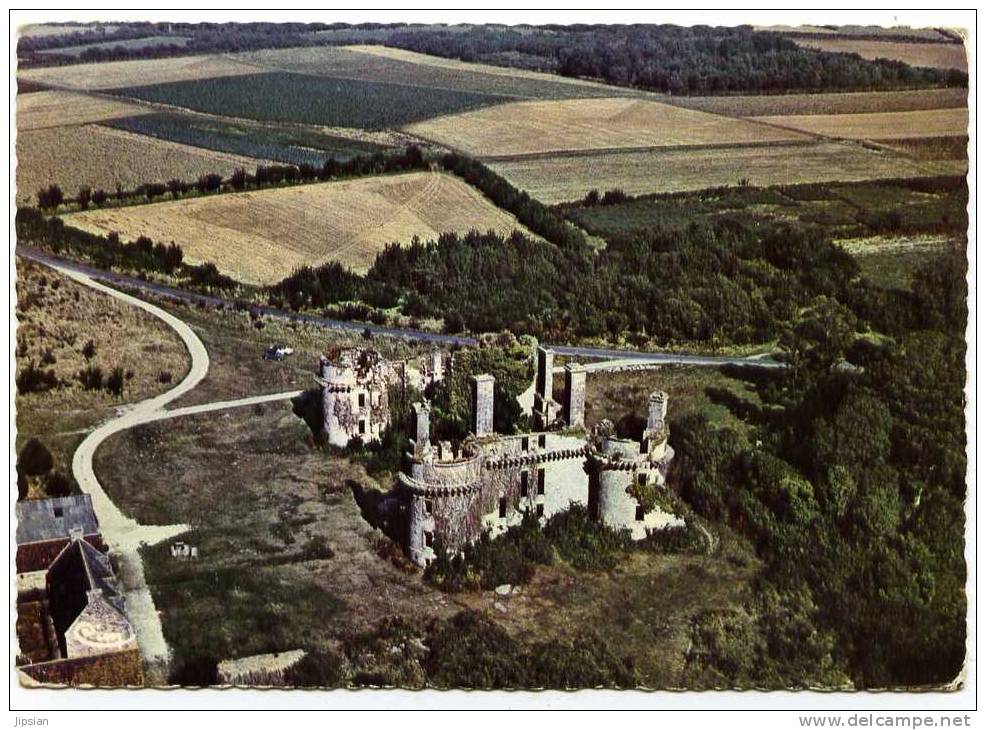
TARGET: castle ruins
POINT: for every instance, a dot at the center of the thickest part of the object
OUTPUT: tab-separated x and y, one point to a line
452	496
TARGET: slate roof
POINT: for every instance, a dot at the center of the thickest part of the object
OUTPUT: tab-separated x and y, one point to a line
51	519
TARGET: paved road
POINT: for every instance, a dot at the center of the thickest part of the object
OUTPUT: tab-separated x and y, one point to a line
669	358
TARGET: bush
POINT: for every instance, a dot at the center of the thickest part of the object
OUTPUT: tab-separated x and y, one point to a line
58	485
89	350
34	459
164	377
91	377
33	379
114	383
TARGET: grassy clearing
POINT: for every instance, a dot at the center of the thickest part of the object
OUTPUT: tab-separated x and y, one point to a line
843	210
860	102
932	55
286	560
622	397
931	148
262	236
292	97
114	74
561	179
526	128
99	157
288	144
56	319
928	123
63	108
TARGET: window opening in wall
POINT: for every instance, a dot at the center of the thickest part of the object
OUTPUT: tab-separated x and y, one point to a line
641	479
525	443
503	507
362	399
429	539
640	513
524	483
540	510
540	481
362	426
58	512
429	507
542	440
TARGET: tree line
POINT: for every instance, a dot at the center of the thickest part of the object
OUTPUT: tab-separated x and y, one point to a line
663	58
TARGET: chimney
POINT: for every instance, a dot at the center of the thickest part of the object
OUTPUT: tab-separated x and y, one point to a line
574	395
482	404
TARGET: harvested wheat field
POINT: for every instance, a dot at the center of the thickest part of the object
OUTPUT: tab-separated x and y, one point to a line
932	55
114	74
854	102
67	156
567	178
543	127
62	108
899	125
261	237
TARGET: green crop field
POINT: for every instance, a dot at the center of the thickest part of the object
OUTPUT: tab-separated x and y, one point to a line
334	102
292	145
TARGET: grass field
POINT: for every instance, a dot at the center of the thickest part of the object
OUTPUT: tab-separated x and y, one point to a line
45	109
862	102
933	55
931	148
843	210
261	237
288	144
56	317
100	157
115	74
292	97
562	179
48	30
378	64
526	128
903	31
900	125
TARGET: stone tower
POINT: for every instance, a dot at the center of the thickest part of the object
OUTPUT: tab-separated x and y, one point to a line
574	406
482	404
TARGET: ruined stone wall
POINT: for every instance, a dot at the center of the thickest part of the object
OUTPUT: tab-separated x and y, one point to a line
354	396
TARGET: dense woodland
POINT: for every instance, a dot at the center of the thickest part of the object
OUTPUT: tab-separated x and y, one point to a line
664	58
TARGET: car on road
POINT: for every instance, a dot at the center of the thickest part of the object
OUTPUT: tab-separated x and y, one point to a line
278	352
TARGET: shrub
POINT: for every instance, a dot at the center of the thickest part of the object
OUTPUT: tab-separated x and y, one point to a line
164	377
114	383
48	357
33	379
91	377
57	484
34	459
89	350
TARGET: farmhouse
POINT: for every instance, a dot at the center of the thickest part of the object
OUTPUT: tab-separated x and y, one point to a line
44	529
452	496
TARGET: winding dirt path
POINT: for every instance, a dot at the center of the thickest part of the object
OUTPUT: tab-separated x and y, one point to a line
123	534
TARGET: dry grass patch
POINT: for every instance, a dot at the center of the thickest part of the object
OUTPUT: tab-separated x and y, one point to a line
932	55
900	125
64	108
541	127
856	102
261	237
114	74
561	179
100	157
56	318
